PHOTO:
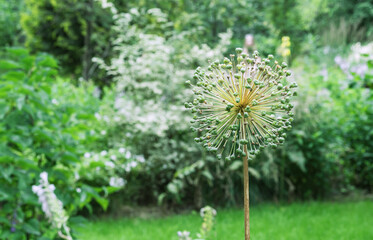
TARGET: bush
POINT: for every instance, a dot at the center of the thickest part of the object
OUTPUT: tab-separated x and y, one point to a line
73	31
45	125
9	22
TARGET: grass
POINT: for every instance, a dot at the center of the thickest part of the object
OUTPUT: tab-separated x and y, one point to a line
308	221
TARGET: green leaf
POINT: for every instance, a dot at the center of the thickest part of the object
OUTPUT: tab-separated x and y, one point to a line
4	194
207	174
235	165
17	52
14	76
4	108
171	187
94	193
160	198
298	158
31	227
78	220
9	65
47	61
254	173
104	203
3	220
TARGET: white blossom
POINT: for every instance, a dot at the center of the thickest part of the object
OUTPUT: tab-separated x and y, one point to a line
133	164
183	235
109	164
117	182
116	118
103	153
140	158
52	206
98	116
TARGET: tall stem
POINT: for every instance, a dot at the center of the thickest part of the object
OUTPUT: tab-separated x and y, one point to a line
246	193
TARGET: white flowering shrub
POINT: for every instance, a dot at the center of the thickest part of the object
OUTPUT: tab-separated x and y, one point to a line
147	110
47	124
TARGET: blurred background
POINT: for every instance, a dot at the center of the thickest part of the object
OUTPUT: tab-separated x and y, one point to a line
92	93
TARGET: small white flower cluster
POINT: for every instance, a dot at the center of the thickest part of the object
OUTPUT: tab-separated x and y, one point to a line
208	214
184	235
117	182
105	4
52	206
114	160
356	61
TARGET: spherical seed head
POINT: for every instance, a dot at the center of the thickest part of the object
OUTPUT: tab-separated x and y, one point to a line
242	104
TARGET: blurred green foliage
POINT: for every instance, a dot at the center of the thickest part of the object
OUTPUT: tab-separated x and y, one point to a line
45	125
74	31
128	131
9	22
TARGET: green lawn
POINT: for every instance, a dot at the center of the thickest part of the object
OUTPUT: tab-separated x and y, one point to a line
308	221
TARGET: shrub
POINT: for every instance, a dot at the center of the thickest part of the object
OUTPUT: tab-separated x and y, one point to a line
73	31
45	124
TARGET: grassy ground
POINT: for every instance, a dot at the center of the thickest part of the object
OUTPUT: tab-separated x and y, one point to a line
308	221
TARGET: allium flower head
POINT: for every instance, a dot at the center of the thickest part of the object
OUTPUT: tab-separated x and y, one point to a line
242	102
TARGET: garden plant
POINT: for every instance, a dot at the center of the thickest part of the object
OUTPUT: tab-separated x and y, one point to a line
241	107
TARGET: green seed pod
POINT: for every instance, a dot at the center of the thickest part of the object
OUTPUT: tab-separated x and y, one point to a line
255	103
293	85
243	141
238	50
